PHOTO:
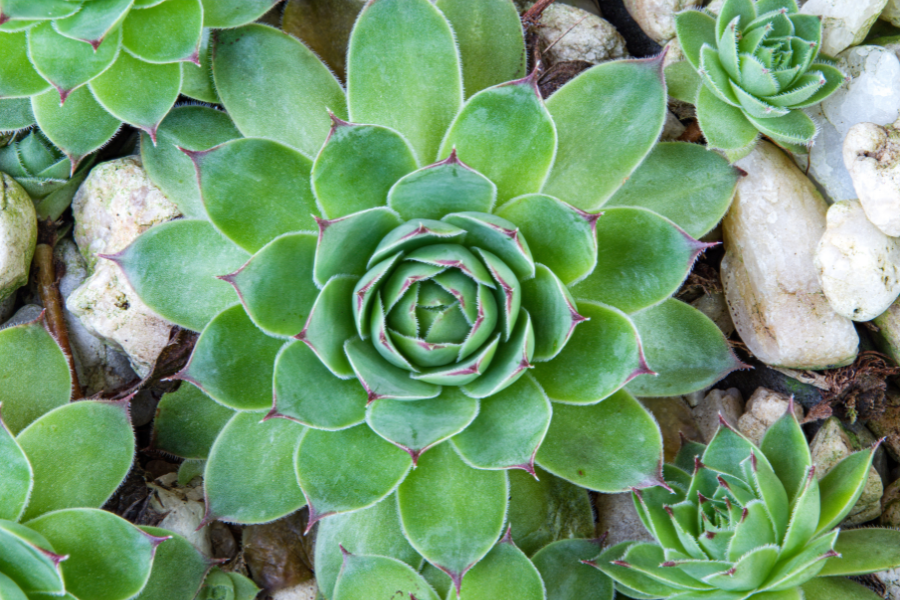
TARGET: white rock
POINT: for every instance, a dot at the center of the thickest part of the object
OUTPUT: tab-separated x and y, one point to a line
762	410
891	581
727	403
858	266
18	235
776	302
576	34
304	591
845	23
872	157
715	307
888	324
657	17
891	13
184	509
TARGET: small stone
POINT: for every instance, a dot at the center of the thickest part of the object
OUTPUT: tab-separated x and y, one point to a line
774	296
890	505
891	13
183	509
728	403
891	581
277	553
576	34
675	421
7	307
222	541
858	265
324	26
18	235
888	335
672	128
887	425
831	444
657	17
617	517
762	410
307	590
26	314
845	23
714	306
872	157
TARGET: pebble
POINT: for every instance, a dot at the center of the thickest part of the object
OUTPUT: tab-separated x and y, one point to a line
763	408
576	34
891	13
872	157
890	505
888	335
714	306
617	517
845	23
727	403
308	590
183	507
858	265
26	314
657	17
277	554
18	235
675	420
887	425
774	296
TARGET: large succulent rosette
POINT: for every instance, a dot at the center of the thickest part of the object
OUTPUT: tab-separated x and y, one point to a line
423	282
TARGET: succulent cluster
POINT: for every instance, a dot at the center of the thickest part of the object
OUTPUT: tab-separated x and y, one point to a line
758	64
80	68
742	521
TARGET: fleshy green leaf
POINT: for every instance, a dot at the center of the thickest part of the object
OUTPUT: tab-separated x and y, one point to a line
16	479
497	235
834	588
553	310
695	28
249	476
784	444
346	243
864	551
28	559
682	182
197	79
178	569
841	488
414	234
188	422
793	128
194	128
409	80
109	558
167	32
511	360
255	190
328	469
78	127
382	379
185	292
442	188
504	571
609	115
506	133
9	590
94	21
724	126
330	325
379	577
18	78
225	14
34	374
686	350
92	433
15	113
565	576
259	62
573	450
38	9
451	513
67	63
682	81
833	80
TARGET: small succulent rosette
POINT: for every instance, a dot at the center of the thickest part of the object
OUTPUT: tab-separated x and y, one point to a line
753	522
80	68
422	280
751	70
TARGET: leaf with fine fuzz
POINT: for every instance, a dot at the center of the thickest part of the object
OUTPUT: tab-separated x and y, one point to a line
15	114
831	588
185	292
382	379
9	590
79	126
167	32
38	9
68	63
497	235
17	76
249	476
330	325
793	128
197	79
410	80
609	115
233	361
194	128
864	551
94	21
92	433
564	575
784	444
513	357
109	558
178	569
373	531
842	486
188	422
379	577
24	559
440	189
451	513
357	166
225	14
328	469
504	571
506	133
16	479
552	309
724	126
573	450
598	359
34	374
681	182
633	580
346	243
257	61
683	346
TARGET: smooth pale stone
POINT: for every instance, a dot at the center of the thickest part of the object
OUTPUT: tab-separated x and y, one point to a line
714	306
308	590
858	266
776	302
872	157
617	516
891	13
18	235
845	23
727	403
657	17
183	509
576	34
762	410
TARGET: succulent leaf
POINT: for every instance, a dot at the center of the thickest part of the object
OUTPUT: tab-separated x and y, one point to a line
330	326
505	570
226	14
379	576
784	445
67	63
833	588
188	422
15	114
178	568
17	477
554	310
94	21
863	551
197	77
96	126
564	575
346	243
28	560
842	487
445	187
165	33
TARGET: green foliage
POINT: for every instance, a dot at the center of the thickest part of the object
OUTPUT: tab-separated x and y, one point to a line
758	64
752	522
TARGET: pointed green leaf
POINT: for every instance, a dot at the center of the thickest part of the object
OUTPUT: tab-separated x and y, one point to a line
726	451
259	62
805	509
194	128
167	32
841	488
185	292
382	379
686	350
805	564
28	559
94	21
742	10
506	133
505	570
784	444
379	577
410	80
417	426
18	78
330	324
609	115
255	190
451	513
346	243
507	291
178	569
510	362
750	570
67	63
15	114
553	310
453	256
793	128
328	469
603	353
92	433
9	590
833	80
682	81
724	126
197	79
109	558
754	108
139	93
440	189
682	182
78	127
415	234
863	551
187	422
465	371
16	479
564	575
34	374
368	285
755	529
38	9
636	583
834	588
716	78
249	476
805	87
647	559
695	28
497	235
225	14
572	449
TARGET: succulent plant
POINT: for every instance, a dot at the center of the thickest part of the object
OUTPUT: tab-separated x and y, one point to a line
431	297
752	522
758	64
79	68
54	541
